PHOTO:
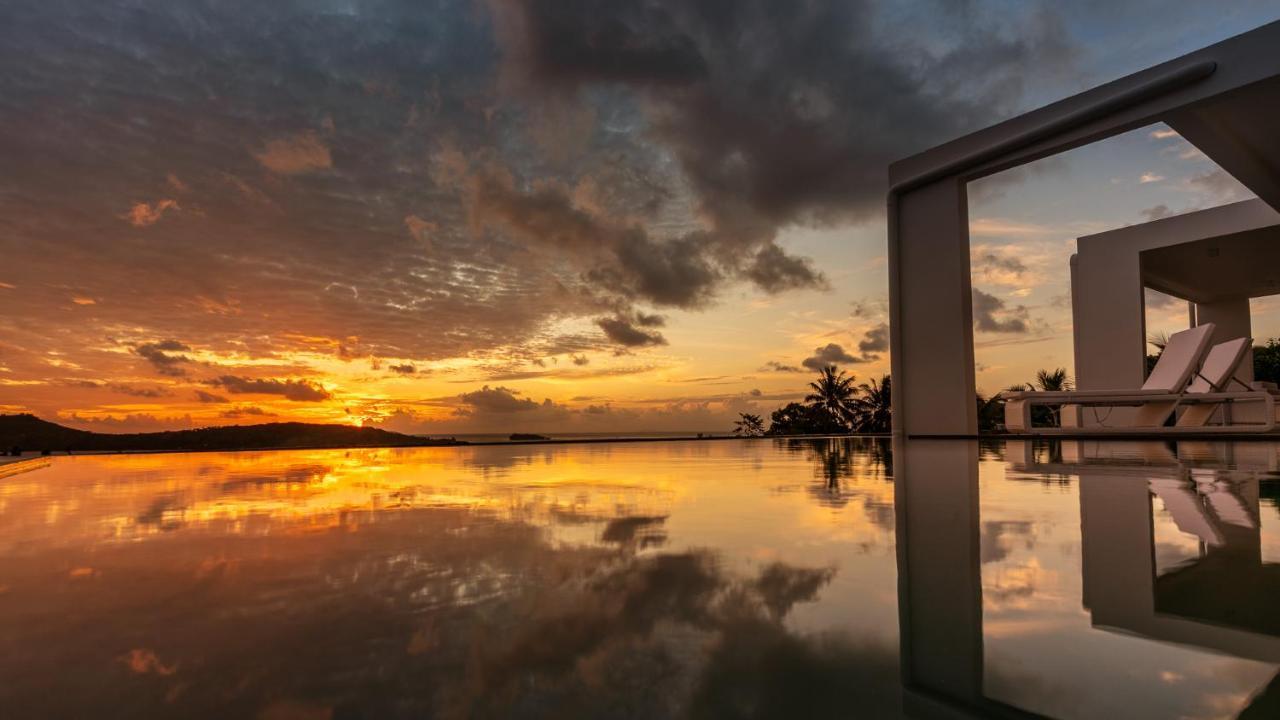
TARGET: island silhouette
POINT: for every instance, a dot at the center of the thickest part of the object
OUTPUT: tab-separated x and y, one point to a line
26	432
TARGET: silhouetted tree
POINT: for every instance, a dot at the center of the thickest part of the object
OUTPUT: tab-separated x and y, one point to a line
873	406
798	419
1266	361
834	391
1047	381
749	425
1158	341
1053	380
991	413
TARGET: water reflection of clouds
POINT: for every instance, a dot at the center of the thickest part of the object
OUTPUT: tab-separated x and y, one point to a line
999	537
473	619
655	581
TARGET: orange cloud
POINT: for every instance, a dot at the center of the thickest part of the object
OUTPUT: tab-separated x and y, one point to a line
297	154
143	661
143	214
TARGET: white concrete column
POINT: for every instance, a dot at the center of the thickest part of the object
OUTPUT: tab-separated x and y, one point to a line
930	295
1109	319
1231	316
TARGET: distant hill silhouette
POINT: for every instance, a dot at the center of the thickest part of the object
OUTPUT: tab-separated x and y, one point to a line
527	436
31	433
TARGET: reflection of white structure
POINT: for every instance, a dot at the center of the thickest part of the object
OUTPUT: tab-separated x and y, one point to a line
1224	99
1223	601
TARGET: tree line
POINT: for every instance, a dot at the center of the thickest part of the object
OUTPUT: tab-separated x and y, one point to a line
836	405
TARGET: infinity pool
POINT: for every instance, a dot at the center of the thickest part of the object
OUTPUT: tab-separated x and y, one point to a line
753	578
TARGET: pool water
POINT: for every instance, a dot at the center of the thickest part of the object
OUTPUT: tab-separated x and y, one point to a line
753	578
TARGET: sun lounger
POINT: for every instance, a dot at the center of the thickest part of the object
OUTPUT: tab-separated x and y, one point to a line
1155	399
1211	386
1218	375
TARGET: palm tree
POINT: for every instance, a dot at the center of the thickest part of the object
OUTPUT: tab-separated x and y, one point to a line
1053	380
991	411
834	392
749	425
1049	381
1157	340
873	406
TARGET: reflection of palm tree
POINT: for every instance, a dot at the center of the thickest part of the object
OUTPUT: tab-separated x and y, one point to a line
880	452
834	391
835	463
874	406
749	425
832	460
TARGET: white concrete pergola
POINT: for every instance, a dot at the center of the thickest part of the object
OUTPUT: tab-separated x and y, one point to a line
1224	99
1216	260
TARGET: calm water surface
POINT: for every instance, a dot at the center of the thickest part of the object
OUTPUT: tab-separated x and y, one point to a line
753	578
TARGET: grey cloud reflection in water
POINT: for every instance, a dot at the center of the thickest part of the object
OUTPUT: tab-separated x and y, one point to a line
482	618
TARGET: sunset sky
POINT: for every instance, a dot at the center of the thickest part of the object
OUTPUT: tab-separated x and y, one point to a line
470	216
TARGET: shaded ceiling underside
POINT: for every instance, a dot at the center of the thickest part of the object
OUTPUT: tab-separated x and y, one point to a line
1227	266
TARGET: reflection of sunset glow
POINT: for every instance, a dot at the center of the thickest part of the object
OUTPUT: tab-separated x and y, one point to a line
210	577
130	497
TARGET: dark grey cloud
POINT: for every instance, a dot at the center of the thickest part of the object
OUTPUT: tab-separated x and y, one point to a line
991	314
206	397
767	133
134	391
290	389
162	356
403	369
499	400
631	331
829	354
622	262
775	366
1157	212
245	411
991	262
774	271
784	113
868	309
875	340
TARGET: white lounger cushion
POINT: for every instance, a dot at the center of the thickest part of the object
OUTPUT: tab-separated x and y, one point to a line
1219	366
1180	359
